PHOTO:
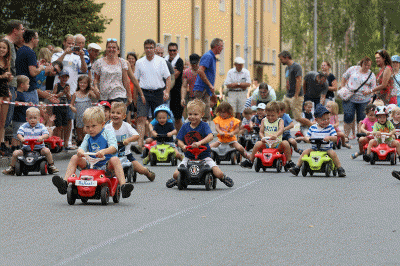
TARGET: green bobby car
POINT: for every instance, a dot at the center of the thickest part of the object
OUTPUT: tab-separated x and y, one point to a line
162	152
318	161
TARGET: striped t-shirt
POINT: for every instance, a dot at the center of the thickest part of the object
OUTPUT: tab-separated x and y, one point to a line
29	132
315	131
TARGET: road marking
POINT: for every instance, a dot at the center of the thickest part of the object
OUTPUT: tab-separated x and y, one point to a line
158	221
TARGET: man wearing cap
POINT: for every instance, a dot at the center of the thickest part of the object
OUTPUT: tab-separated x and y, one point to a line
396	76
188	79
94	51
204	85
315	87
237	81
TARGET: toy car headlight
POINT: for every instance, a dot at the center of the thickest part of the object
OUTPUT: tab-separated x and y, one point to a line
73	175
101	176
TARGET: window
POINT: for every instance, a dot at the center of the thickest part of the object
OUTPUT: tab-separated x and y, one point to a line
222	63
237	50
258	34
167	40
186	48
178	41
206	46
263	58
197	23
238	7
222	5
274	62
273	11
249	55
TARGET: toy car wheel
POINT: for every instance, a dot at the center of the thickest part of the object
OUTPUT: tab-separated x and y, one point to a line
304	169
209	181
145	152
173	160
392	159
117	195
327	170
43	168
17	168
104	196
279	165
334	171
180	182
84	200
372	161
238	157
153	159
339	144
257	165
217	160
71	196
134	176
233	158
215	183
334	146
129	175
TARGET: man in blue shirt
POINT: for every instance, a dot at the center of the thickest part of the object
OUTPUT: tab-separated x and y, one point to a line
204	85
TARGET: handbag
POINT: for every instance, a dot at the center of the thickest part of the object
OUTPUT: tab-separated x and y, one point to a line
345	94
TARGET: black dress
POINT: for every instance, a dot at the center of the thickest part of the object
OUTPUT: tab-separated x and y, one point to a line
4	90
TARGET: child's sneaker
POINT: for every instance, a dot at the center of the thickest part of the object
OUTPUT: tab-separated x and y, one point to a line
367	158
227	181
171	183
146	160
151	176
295	170
126	190
52	169
299	151
396	174
61	184
9	171
341	172
290	164
246	164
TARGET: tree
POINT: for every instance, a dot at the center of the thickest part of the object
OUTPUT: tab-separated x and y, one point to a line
347	29
53	19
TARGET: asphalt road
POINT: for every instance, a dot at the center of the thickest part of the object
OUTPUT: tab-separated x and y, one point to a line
265	219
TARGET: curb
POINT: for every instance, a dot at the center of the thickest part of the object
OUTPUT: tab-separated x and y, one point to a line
5	161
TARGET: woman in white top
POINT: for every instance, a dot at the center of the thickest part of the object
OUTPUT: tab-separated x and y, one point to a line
111	75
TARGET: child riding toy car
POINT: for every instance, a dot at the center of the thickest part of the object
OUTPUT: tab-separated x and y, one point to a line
162	152
197	172
224	152
54	143
318	161
246	139
93	184
383	152
31	161
129	172
270	158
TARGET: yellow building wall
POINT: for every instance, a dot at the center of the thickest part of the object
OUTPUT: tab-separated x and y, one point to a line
176	20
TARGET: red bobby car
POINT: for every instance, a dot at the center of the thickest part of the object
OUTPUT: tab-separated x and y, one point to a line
147	148
383	152
93	184
270	158
54	143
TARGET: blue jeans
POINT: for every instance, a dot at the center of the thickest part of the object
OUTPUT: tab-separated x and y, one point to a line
398	101
350	109
10	113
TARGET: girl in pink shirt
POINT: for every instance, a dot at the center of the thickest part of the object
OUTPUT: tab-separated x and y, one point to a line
366	128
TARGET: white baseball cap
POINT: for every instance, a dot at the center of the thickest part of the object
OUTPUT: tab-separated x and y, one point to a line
261	106
239	60
94	46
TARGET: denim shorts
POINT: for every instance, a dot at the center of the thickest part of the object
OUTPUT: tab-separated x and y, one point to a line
350	109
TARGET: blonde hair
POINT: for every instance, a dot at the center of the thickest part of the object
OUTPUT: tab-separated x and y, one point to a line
196	103
45	54
95	114
273	107
335	107
308	103
57	50
21	79
119	105
394	111
32	110
378	102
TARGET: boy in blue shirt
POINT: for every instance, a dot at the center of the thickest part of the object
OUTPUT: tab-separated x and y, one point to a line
288	124
162	124
32	129
322	129
197	133
101	141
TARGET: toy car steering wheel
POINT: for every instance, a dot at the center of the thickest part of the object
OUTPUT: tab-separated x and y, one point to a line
32	143
269	140
92	161
196	151
383	136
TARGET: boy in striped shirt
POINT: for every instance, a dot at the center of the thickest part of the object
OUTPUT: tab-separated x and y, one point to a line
32	129
322	129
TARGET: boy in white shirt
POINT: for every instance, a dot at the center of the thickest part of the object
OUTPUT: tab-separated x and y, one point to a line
126	134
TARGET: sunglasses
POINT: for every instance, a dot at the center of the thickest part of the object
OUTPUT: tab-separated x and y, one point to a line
111	40
172	50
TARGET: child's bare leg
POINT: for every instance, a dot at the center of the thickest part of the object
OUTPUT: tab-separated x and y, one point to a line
240	148
286	150
334	157
217	172
215	144
149	140
343	138
15	155
257	147
178	155
175	175
46	152
118	170
305	152
396	144
293	142
73	164
372	143
141	169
